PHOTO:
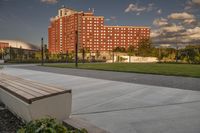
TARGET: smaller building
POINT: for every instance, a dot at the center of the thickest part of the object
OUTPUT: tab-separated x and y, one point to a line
4	45
17	50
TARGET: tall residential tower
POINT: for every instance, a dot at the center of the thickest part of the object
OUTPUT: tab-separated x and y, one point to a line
71	25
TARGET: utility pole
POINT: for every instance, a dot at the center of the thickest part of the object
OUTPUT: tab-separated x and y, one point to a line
42	52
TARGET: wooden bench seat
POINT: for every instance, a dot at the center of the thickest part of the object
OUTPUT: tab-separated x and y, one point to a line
37	100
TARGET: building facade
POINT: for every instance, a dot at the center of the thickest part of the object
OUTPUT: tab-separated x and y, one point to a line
4	45
15	49
71	26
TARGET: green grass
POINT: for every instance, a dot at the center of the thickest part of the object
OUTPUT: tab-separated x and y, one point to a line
189	70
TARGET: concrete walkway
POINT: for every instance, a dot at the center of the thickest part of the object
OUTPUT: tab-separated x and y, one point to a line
121	107
186	83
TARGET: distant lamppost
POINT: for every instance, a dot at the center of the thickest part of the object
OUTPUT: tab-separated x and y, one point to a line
113	54
10	50
42	51
76	50
67	56
21	53
83	54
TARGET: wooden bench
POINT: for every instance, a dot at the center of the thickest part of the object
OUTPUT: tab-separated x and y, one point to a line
31	100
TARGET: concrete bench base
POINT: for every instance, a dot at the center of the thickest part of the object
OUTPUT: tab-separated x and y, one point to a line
31	100
58	106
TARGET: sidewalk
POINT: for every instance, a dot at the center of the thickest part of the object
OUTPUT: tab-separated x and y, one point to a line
120	107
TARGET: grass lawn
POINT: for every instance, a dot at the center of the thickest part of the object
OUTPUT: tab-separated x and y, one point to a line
151	68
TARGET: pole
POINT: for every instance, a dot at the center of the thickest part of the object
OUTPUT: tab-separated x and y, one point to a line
2	53
113	57
10	53
159	54
76	50
176	53
42	52
83	54
66	56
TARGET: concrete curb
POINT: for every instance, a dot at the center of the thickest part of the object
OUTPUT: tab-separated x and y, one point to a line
80	124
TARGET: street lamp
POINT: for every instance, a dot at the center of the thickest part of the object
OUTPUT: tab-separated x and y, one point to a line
76	50
42	51
83	54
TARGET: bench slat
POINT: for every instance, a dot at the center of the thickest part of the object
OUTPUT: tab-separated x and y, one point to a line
27	90
18	93
30	88
27	87
35	84
9	83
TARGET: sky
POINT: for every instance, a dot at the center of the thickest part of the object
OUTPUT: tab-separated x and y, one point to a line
172	22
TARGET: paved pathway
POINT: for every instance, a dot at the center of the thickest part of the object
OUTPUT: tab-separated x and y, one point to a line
187	83
121	107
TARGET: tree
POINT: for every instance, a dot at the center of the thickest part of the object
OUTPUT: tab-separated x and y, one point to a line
145	47
191	54
130	51
119	49
98	54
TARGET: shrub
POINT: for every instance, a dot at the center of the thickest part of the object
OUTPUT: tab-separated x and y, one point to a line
46	125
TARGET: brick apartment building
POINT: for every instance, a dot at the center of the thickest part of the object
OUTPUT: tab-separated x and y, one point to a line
70	25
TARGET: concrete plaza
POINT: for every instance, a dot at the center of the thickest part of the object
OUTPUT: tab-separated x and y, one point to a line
124	107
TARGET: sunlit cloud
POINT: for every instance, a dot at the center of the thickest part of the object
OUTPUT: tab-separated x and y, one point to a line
196	2
138	9
177	29
50	1
184	16
160	22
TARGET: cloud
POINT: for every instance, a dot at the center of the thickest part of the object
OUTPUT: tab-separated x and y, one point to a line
181	16
155	33
196	2
112	18
192	5
176	34
159	11
49	1
135	8
184	16
138	9
172	28
160	22
179	28
193	33
168	32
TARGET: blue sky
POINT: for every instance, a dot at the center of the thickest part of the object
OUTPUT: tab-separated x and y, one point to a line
28	20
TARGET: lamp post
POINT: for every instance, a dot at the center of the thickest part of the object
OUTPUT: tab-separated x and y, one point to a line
76	50
67	56
42	51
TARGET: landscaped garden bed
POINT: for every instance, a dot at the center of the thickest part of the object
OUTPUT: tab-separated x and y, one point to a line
9	123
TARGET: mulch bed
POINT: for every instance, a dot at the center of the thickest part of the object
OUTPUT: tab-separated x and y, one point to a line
9	123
